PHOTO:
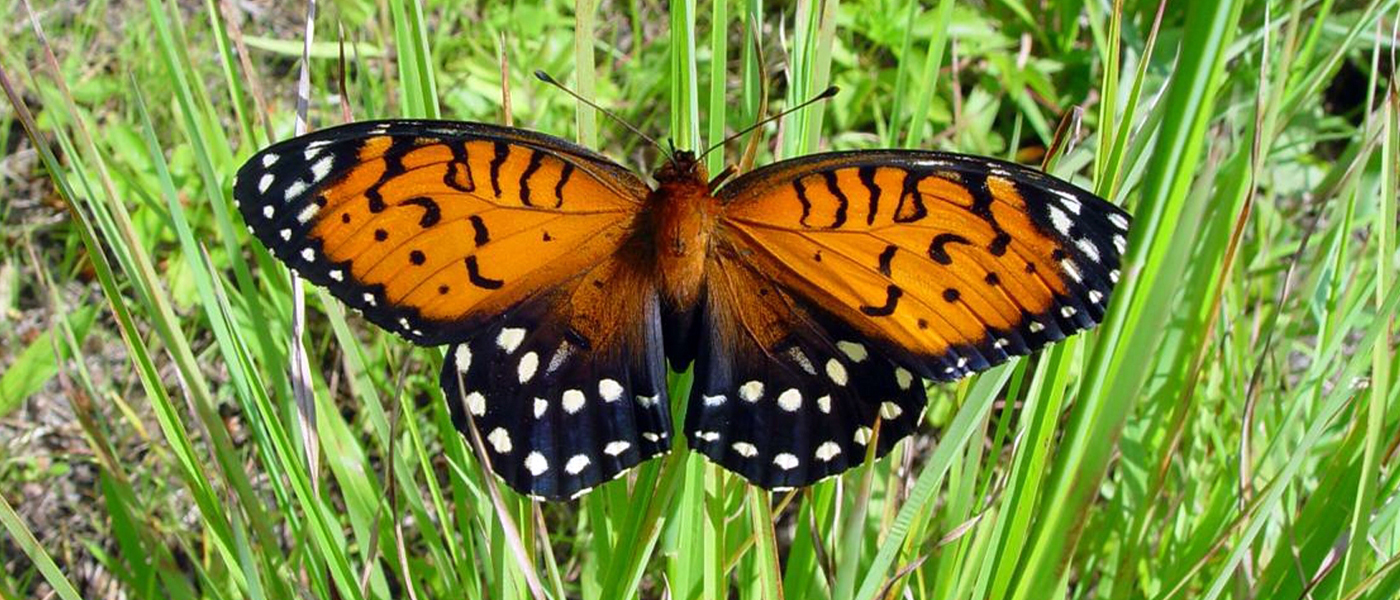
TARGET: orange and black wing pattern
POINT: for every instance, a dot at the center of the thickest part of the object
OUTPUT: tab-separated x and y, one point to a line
506	244
840	280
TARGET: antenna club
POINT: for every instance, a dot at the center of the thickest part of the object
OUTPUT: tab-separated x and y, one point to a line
828	93
545	77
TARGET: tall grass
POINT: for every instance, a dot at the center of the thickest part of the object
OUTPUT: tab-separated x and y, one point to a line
1229	431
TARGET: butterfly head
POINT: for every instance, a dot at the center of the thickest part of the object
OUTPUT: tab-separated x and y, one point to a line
682	167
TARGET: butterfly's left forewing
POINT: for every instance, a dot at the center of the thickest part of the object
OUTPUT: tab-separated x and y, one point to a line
509	245
879	267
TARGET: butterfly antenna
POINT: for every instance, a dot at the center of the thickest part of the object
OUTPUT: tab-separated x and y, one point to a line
826	94
547	78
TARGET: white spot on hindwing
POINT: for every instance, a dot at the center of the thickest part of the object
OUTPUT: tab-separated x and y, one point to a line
500	440
751	391
1067	311
903	377
268	212
745	449
853	350
529	363
800	357
648	401
610	390
862	436
577	463
536	464
265	182
790	400
824	404
890	411
476	403
1095	296
617	447
269	159
836	371
785	461
709	400
827	451
1035	327
463	357
337	274
1120	243
573	401
541	405
1113	276
369	299
707	436
509	339
285	234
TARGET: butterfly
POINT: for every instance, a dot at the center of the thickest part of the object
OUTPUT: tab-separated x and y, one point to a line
812	296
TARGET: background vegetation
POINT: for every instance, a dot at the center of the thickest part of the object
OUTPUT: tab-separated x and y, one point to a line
1231	431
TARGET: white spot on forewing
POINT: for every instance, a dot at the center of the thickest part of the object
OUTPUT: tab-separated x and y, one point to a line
1095	296
903	377
962	361
509	339
308	212
853	350
745	449
1067	311
1113	276
294	190
650	437
500	440
1060	220
369	299
573	401
1000	343
785	461
890	411
476	403
337	274
268	211
827	451
285	234
618	447
712	400
1089	249
463	358
1071	203
836	371
308	254
610	390
790	400
648	401
321	168
862	436
536	464
541	405
269	159
1120	243
265	182
1118	221
1035	327
751	391
577	463
707	436
824	404
529	363
1071	270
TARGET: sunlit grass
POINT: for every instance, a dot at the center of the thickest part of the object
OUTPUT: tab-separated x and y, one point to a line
1229	432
